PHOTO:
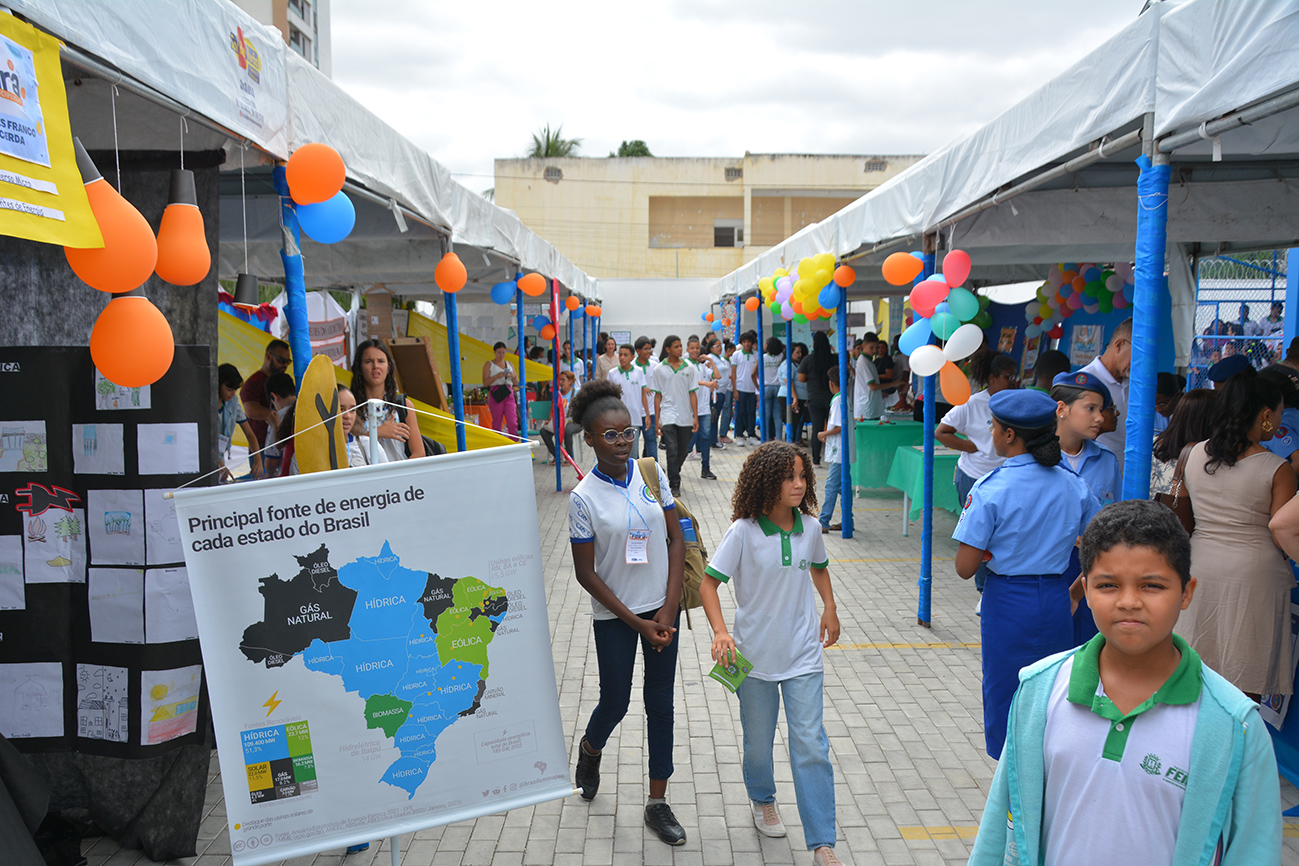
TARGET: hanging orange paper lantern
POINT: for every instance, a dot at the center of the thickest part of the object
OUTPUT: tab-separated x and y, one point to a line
130	250
315	173
131	343
751	304
547	333
183	255
844	276
532	284
450	274
573	302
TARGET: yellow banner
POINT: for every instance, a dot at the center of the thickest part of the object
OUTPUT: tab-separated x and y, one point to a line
42	197
473	353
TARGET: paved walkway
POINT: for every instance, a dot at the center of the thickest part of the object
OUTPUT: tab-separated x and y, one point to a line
902	710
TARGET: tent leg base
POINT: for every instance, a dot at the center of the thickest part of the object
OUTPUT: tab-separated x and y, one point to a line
922	622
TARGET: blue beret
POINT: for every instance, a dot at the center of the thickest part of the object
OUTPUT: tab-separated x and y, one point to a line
1228	367
1087	382
1023	408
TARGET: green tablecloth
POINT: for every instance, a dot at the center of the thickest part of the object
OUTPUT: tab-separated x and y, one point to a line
876	445
908	475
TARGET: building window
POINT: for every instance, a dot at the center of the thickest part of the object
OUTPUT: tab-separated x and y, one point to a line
554	175
876	165
728	233
302	7
299	42
734	174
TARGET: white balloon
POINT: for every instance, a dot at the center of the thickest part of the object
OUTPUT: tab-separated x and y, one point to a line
927	360
963	342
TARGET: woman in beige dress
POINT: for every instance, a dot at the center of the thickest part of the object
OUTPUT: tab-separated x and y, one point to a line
1239	622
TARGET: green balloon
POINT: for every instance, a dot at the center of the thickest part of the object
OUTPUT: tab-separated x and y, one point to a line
800	318
963	304
983	320
774	306
944	325
1092	288
984	302
1106	305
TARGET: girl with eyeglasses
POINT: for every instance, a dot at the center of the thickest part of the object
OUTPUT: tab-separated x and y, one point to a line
629	554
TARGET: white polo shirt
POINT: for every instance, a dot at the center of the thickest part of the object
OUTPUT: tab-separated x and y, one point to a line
724	367
676	387
769	570
632	383
834	443
604	511
743	362
867	404
1123	774
704	397
1117	440
973	420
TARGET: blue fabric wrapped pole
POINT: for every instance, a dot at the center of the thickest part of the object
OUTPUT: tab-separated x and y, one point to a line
763	423
457	381
927	527
790	393
1152	239
845	429
295	286
523	358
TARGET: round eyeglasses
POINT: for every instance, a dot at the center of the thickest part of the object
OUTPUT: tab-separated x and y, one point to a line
613	436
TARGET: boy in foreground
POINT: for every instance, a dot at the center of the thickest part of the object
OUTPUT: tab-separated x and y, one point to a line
1128	749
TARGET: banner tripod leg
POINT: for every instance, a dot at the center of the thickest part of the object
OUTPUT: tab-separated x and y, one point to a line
396	850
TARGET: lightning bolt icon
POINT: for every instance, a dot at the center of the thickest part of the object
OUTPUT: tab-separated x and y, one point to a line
272	703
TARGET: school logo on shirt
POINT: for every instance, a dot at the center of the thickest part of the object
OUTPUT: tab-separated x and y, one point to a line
1152	764
802	564
1173	775
648	496
1280	433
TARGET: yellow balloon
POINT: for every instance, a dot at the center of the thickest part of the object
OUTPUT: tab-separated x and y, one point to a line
822	278
1045	311
806	267
800	288
825	261
811	306
778	273
765	284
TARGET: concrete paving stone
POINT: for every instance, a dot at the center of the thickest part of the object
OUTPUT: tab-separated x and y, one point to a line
507	858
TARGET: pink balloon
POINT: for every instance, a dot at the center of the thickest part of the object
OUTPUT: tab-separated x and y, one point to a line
786	311
1075	300
1054	278
927	295
956	267
1124	270
1114	283
1120	301
1092	308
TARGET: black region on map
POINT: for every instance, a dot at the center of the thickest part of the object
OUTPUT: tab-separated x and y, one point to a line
497	606
437	597
478	700
309	606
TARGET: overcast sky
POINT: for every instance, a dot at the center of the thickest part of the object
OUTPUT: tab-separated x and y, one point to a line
470	82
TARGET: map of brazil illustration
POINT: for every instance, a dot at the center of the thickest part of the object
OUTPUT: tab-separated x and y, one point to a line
411	644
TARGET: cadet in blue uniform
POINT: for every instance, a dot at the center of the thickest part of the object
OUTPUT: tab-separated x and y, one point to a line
1023	518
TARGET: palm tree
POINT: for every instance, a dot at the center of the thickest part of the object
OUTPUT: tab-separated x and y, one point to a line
551	144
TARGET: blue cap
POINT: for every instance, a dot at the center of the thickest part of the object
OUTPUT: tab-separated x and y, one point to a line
1228	367
1086	381
1022	408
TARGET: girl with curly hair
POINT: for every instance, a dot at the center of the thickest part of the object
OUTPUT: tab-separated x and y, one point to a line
629	553
772	563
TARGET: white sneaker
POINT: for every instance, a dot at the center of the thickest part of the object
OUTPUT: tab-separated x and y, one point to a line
978	606
766	817
825	856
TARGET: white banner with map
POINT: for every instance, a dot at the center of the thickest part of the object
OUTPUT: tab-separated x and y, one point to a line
376	649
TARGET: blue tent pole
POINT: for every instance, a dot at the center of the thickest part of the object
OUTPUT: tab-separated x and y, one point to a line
523	360
587	322
790	392
1290	319
762	386
1152	239
927	527
295	287
556	419
571	344
457	381
845	429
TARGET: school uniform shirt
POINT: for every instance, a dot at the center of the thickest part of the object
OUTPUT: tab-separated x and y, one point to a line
973	420
1098	466
769	570
1119	394
834	443
632	383
1126	773
676	387
1026	515
704	396
647	372
867	404
604	511
770	363
723	365
743	363
1285	438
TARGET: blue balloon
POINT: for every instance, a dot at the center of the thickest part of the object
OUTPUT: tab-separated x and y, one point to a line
328	222
829	297
703	317
1092	274
1069	266
503	293
540	322
577	314
941	307
717	326
915	336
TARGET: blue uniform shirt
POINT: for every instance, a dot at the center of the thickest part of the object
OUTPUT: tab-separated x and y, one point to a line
1285	439
1100	469
1027	515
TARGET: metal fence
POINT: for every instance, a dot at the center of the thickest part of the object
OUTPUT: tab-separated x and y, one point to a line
1239	303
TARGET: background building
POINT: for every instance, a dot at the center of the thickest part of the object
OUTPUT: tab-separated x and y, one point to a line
303	23
641	217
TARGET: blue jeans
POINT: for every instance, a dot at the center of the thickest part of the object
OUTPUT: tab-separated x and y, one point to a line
833	480
775	419
615	650
746	409
963	485
651	438
722	412
702	440
809	750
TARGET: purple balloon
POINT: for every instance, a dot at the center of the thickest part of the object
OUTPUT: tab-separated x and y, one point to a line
786	311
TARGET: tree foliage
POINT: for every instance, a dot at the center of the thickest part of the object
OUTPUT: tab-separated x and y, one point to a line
546	143
636	147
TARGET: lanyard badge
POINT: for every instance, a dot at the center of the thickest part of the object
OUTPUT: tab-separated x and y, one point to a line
638	546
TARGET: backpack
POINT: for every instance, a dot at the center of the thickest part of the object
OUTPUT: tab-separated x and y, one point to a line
696	553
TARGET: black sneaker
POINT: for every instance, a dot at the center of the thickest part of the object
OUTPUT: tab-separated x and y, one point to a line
588	771
660	818
708	475
676	491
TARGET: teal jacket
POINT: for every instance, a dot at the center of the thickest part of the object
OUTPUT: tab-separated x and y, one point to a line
1232	811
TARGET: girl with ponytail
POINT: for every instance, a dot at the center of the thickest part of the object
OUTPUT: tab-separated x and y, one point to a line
1022	519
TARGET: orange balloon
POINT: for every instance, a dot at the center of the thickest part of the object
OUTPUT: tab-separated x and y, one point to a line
845	276
547	333
592	310
532	284
751	304
599	311
708	317
315	173
183	255
1078	284
797	305
131	343
726	323
130	250
901	268
573	302
955	387
450	274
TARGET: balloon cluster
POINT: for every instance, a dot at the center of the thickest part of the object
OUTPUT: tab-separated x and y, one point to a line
316	174
944	310
503	293
717	324
813	291
1071	287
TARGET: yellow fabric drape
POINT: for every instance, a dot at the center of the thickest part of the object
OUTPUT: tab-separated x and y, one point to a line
473	353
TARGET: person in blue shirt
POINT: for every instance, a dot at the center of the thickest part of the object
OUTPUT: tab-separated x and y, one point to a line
1285	439
1023	518
1081	401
